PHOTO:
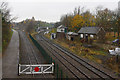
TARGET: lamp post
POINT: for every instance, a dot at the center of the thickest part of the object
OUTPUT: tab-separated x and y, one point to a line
111	26
118	31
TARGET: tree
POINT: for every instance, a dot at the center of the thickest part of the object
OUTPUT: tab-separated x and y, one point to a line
30	25
66	20
74	21
103	18
89	19
57	24
6	23
77	22
78	11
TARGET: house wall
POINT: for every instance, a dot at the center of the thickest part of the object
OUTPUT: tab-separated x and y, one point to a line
60	29
75	37
81	35
101	35
60	35
71	36
89	35
68	37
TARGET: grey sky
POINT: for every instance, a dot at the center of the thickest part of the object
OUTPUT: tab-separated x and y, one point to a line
52	10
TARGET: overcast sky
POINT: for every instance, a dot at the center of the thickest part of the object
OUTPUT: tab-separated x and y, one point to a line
52	10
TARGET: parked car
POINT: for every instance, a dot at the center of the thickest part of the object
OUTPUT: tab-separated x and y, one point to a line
116	41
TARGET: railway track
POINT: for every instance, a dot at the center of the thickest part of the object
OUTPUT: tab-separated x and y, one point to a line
62	62
89	71
30	55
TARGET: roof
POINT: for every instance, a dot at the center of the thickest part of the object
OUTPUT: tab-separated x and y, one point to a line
72	33
42	27
61	26
89	30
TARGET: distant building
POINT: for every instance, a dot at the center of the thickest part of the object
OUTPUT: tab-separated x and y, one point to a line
92	32
40	29
71	36
53	35
62	28
61	31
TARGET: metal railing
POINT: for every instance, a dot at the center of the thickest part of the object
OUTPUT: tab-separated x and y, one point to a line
36	69
57	71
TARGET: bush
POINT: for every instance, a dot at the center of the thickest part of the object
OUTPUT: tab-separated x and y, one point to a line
6	35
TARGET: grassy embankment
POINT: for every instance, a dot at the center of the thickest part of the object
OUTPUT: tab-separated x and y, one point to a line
0	39
97	54
6	37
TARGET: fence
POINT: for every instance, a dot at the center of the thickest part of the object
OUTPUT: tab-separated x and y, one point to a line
57	71
36	69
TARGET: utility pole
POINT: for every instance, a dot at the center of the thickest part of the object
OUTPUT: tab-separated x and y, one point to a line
119	30
118	17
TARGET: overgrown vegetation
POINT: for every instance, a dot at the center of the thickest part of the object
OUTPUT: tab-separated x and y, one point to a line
98	54
102	17
110	36
6	24
105	18
80	17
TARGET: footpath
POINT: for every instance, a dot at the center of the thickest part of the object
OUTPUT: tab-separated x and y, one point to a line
10	58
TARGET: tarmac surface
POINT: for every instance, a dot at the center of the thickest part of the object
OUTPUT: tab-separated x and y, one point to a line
10	58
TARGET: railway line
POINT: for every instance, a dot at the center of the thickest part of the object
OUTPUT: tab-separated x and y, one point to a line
60	60
28	55
77	66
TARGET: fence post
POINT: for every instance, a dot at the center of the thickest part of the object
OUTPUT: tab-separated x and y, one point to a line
54	67
66	77
51	59
61	74
19	69
57	71
117	58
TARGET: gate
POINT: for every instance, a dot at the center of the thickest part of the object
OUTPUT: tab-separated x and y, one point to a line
36	69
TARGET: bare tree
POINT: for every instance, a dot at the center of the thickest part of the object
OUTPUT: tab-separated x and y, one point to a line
5	12
31	25
78	10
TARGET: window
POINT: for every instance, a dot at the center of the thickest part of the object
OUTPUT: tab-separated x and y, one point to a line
92	36
81	36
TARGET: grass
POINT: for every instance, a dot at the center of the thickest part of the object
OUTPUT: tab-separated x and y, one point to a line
0	39
97	54
6	40
110	36
34	33
79	50
112	64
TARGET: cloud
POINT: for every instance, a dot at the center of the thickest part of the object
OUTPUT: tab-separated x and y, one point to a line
52	10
